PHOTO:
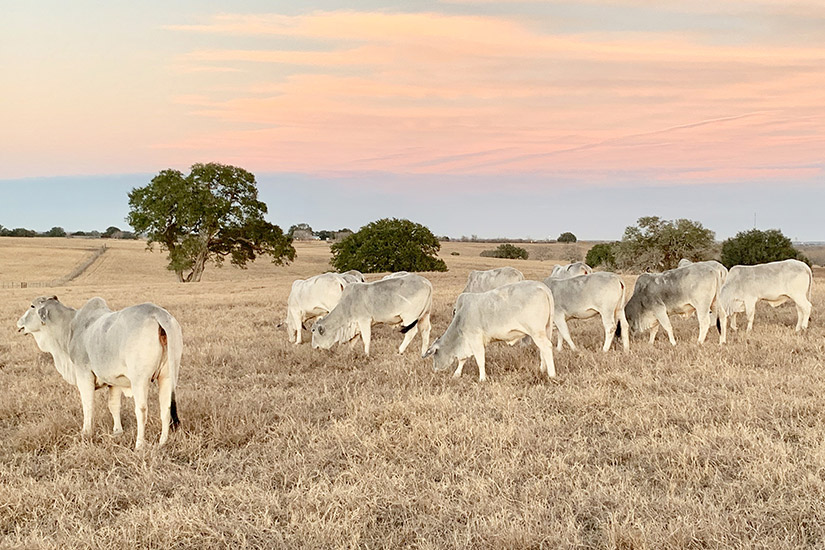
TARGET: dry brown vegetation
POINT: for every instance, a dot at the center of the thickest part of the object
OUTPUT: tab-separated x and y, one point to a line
284	446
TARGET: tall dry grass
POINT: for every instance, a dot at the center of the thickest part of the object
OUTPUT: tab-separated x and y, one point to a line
285	446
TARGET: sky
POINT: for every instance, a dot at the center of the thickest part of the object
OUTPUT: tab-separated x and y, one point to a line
502	118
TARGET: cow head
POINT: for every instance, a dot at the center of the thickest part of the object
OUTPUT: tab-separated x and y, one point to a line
36	317
323	336
639	318
442	360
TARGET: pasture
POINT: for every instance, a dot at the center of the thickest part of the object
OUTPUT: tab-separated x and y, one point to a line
284	446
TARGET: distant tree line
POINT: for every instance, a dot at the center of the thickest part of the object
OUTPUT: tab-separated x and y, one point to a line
111	232
654	244
304	232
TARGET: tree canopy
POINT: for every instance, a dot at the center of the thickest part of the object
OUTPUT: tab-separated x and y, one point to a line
208	215
758	247
567	237
601	254
657	244
388	244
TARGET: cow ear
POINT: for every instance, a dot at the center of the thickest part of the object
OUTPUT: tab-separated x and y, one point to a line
430	352
54	298
44	314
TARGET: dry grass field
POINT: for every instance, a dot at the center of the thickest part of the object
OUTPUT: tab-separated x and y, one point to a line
41	260
289	447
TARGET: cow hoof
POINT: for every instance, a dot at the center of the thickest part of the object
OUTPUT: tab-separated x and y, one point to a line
117	433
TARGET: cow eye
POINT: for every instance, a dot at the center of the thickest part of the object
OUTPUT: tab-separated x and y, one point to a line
321	331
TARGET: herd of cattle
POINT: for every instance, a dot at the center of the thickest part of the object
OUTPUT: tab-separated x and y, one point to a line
126	350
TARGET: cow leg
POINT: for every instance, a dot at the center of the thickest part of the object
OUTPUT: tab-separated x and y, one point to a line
609	325
425	326
564	332
165	403
722	317
299	329
114	407
458	371
366	335
86	387
653	331
408	337
140	391
664	321
733	321
478	353
545	346
704	324
803	313
625	330
750	313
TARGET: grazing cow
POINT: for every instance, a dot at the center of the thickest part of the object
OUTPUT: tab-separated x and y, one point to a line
682	291
570	270
584	297
125	350
482	281
405	299
310	298
507	313
723	274
353	276
774	282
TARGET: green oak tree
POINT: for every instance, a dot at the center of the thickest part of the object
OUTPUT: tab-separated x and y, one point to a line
210	214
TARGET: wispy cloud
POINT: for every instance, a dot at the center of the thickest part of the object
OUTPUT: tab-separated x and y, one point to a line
431	92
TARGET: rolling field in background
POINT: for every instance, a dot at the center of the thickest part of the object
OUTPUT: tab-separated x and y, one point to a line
284	446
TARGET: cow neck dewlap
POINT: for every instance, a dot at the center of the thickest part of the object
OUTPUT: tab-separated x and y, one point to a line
57	344
348	332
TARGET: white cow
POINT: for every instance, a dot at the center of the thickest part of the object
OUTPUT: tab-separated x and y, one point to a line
774	282
584	297
310	298
124	350
571	270
482	281
723	274
507	313
683	290
353	276
406	299
395	274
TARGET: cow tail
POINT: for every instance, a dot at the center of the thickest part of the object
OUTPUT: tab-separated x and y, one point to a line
620	306
549	326
171	338
810	283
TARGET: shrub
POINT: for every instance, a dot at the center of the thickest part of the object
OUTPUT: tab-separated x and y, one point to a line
601	254
506	251
55	232
388	244
759	247
567	237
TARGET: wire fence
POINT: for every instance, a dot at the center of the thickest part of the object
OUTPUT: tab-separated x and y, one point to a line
73	274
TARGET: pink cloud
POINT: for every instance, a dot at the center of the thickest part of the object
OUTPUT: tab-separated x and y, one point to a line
460	94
